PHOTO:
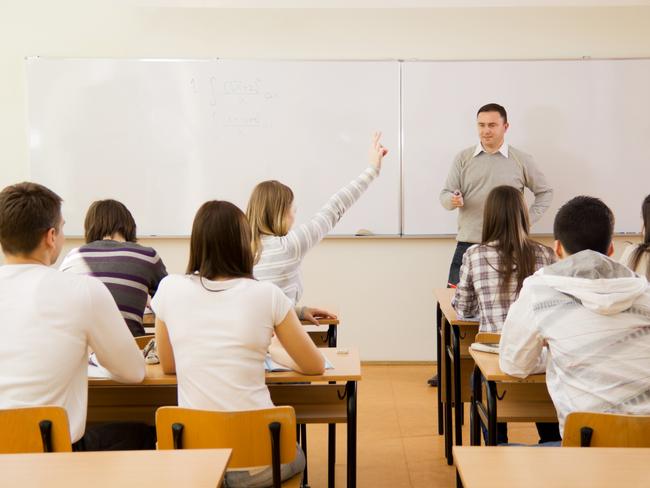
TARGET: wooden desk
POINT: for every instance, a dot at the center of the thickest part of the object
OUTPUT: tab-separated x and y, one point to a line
328	398
449	342
521	399
551	467
160	469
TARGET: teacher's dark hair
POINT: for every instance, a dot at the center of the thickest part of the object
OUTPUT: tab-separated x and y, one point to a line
106	218
220	246
494	107
584	223
506	228
27	212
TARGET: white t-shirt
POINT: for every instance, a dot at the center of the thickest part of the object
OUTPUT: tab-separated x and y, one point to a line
48	320
220	338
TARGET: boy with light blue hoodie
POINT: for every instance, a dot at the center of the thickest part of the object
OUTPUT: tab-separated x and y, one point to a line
591	313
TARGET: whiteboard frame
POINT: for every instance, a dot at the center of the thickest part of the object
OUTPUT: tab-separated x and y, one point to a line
401	64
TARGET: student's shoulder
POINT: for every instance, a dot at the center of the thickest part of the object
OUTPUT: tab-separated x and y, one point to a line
546	253
72	286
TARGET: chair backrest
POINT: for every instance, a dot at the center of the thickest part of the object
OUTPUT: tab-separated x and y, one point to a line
488	338
34	429
142	341
246	432
588	429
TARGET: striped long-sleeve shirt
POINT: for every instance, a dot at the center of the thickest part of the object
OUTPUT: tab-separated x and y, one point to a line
131	273
281	256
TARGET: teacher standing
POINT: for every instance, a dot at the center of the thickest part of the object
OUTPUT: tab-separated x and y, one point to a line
478	169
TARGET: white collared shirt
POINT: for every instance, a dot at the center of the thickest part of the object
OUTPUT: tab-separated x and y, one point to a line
479	149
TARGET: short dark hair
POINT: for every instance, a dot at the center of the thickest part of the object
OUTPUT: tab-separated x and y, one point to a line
108	217
220	245
27	211
584	223
494	107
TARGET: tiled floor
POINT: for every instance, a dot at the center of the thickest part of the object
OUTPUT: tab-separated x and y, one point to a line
398	445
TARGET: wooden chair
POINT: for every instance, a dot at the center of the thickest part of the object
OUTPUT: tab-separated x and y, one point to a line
588	429
257	437
142	341
34	429
488	338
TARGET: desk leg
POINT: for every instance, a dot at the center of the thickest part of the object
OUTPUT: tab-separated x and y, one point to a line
331	336
351	393
474	419
331	455
448	433
438	359
458	404
459	482
331	428
491	394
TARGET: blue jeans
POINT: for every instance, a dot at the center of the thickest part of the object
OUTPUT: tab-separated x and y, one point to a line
456	261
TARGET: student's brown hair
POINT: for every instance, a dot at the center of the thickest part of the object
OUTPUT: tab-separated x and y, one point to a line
644	247
105	218
220	245
27	212
494	107
267	212
506	227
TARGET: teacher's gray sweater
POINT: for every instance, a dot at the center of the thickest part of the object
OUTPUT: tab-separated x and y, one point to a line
476	176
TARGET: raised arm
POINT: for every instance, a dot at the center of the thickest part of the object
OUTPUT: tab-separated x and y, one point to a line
307	235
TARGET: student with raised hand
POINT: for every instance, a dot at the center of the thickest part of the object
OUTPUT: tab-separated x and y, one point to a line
637	256
593	315
49	318
493	272
278	248
131	272
214	326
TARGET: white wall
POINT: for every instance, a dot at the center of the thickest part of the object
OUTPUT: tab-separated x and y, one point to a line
381	288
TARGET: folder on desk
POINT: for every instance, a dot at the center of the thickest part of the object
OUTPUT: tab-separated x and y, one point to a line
272	366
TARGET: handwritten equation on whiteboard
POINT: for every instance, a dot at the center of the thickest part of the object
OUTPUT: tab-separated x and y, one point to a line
238	104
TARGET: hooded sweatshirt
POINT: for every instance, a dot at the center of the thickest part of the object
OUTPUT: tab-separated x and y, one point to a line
594	315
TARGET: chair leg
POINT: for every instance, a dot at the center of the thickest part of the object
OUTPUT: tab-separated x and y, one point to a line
274	428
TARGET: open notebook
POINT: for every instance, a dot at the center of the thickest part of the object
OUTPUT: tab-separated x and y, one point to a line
479	346
272	366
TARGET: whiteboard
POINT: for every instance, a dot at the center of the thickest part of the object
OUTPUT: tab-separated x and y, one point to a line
163	136
586	122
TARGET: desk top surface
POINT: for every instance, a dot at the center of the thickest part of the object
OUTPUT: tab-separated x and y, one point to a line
160	469
444	297
347	367
488	363
544	467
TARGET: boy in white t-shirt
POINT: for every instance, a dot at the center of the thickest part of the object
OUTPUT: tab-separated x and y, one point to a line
50	318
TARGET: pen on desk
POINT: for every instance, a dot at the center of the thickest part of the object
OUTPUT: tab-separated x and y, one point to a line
451	285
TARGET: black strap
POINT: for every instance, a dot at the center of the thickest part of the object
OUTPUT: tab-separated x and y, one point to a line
585	436
177	435
274	427
45	426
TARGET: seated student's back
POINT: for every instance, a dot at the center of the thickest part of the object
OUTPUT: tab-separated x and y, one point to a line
131	272
594	315
493	272
49	318
215	324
